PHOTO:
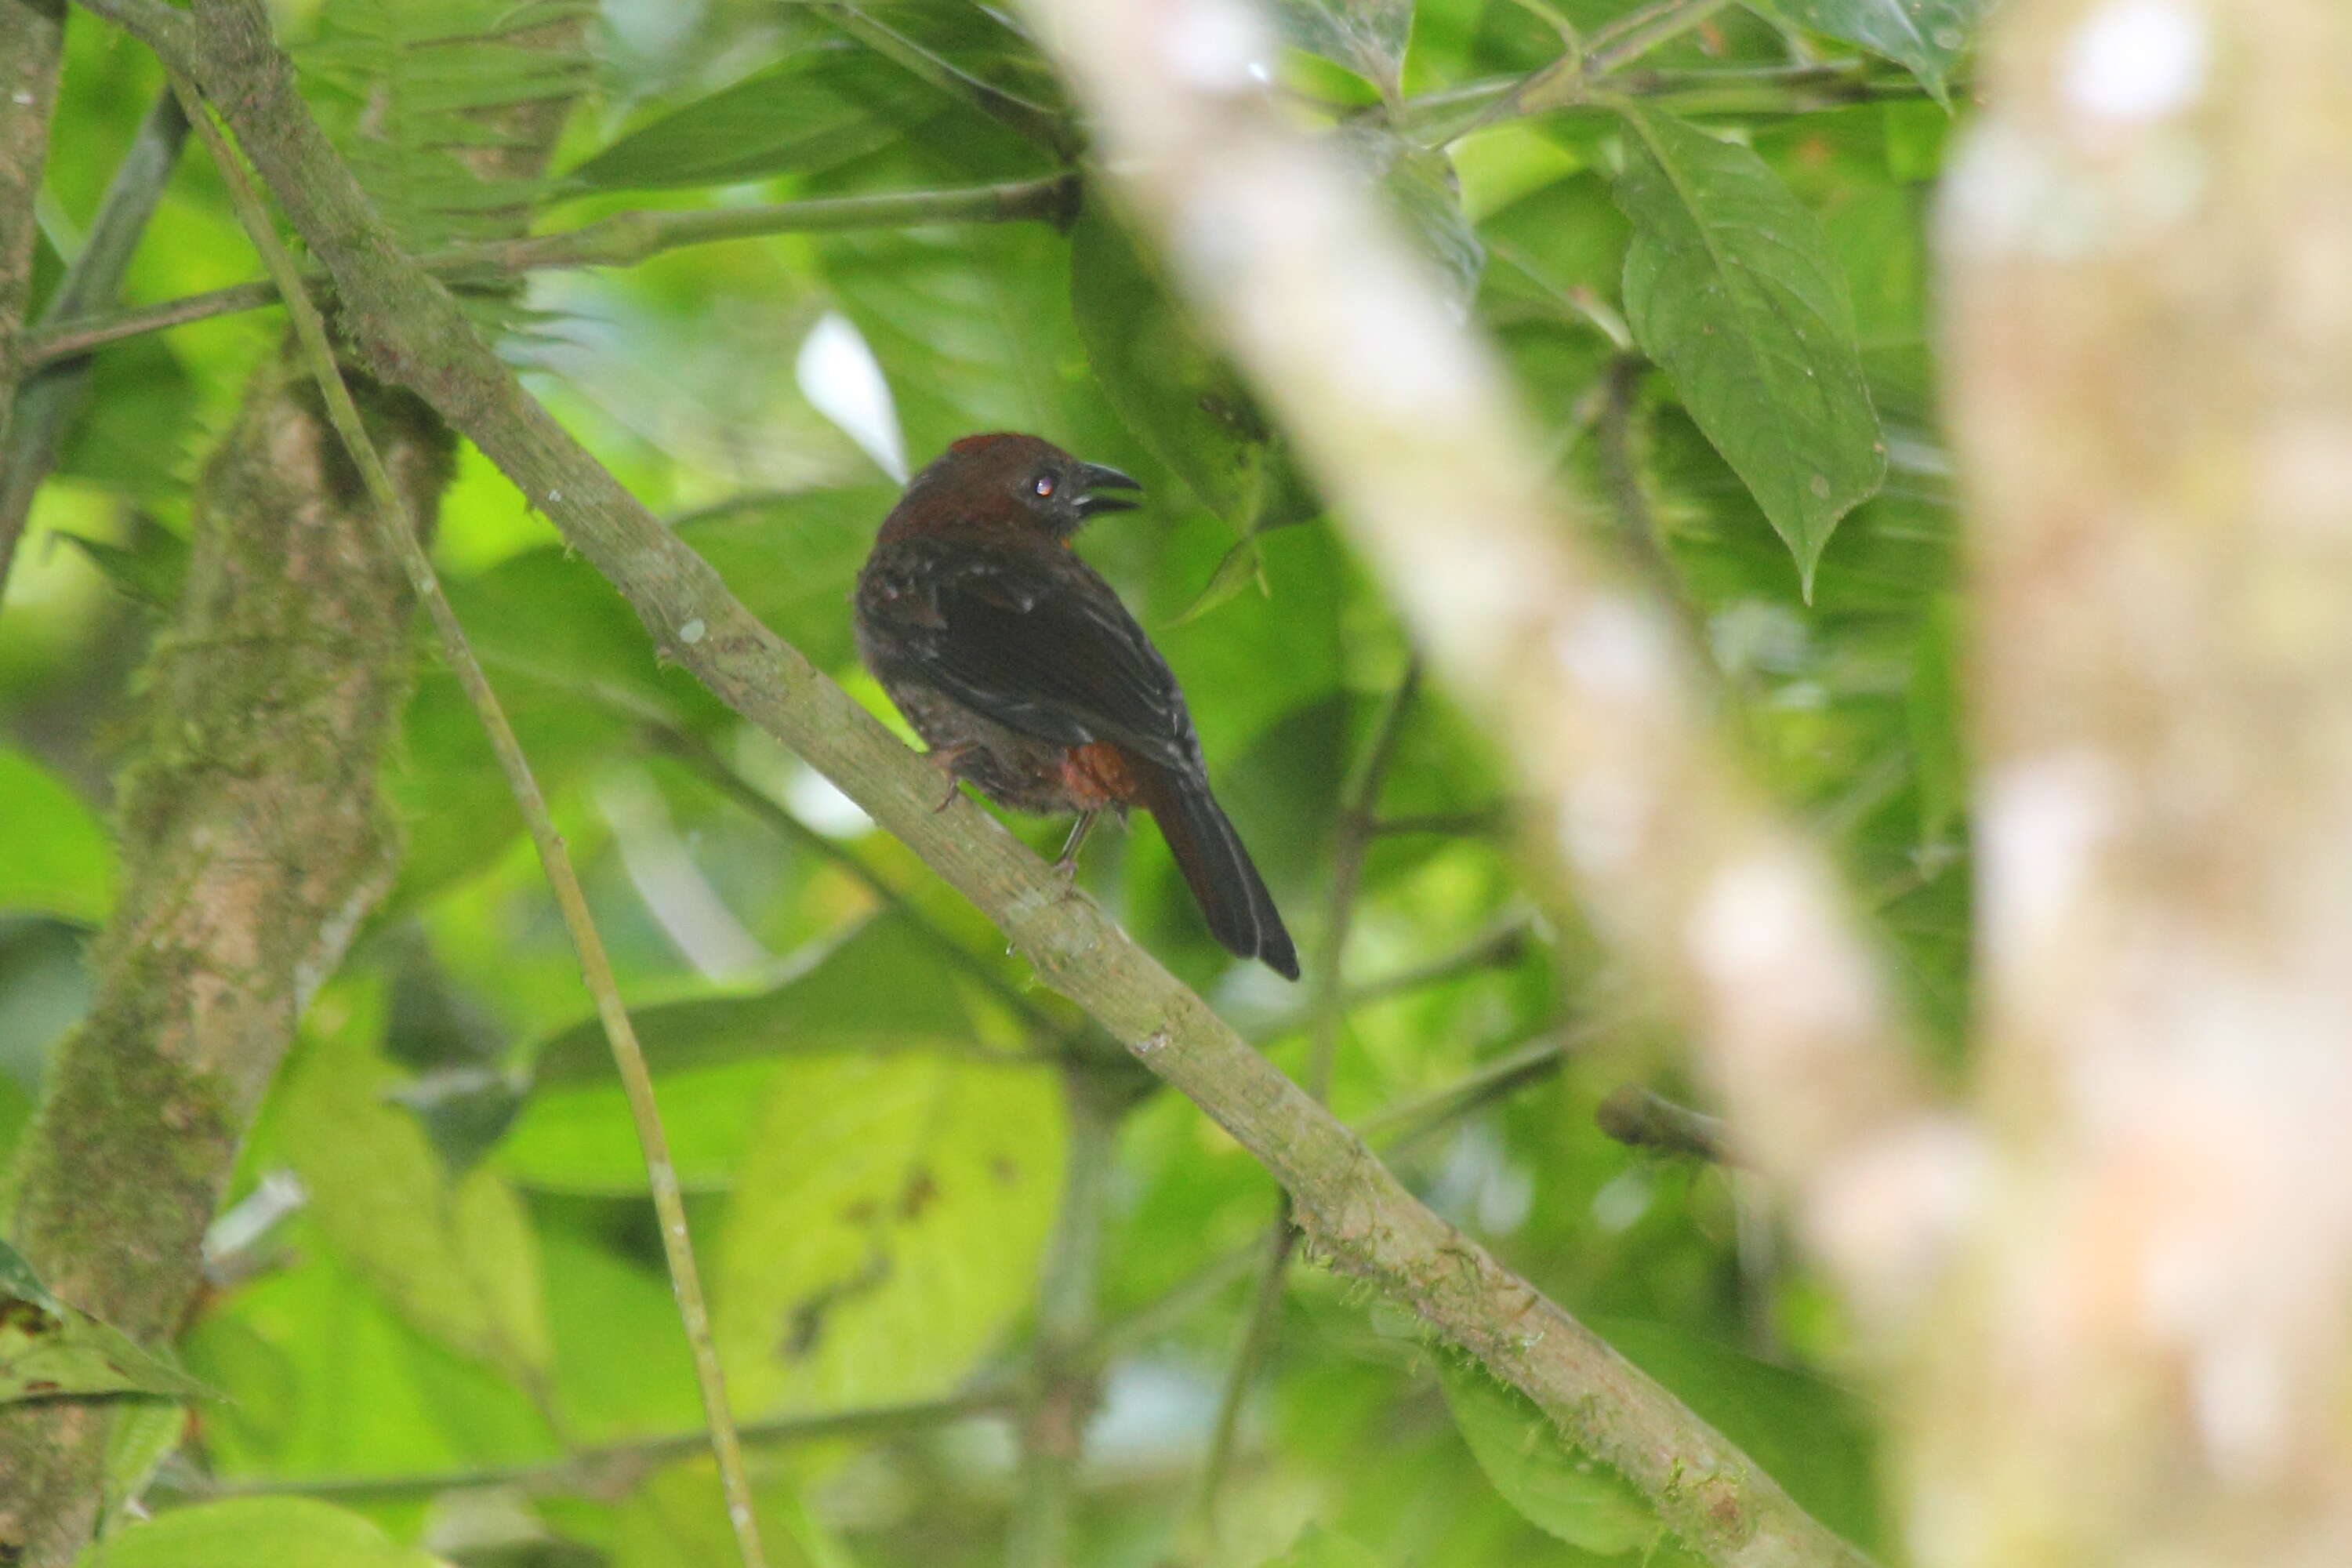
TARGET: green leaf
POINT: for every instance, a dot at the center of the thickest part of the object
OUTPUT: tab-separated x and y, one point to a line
878	989
141	1436
886	1227
1420	187
323	1378
1730	286
823	105
59	860
49	1347
1366	37
150	569
255	1532
1923	36
454	1255
1243	566
1575	1499
1809	1435
1179	397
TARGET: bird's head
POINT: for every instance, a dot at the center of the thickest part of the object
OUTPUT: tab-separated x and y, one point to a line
1034	478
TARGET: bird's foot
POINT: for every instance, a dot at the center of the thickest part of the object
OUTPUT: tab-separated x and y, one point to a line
945	758
1067	862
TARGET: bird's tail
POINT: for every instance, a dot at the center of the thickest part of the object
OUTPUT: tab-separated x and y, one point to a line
1232	896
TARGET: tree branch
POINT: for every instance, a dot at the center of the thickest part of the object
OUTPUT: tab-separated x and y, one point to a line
622	239
32	36
1353	1211
48	399
1407	423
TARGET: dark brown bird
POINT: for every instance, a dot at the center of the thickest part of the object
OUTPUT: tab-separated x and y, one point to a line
1018	666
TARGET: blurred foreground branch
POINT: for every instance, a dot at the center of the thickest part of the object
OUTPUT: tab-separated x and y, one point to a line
2149	243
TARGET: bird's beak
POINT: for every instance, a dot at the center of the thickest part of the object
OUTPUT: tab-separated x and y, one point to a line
1093	479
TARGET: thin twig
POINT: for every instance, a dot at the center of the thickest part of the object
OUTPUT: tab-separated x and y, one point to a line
400	537
623	239
610	1468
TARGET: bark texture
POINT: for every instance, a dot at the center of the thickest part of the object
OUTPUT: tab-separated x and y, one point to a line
253	843
2149	248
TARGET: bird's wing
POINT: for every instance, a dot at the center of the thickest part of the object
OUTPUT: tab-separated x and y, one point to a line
1037	642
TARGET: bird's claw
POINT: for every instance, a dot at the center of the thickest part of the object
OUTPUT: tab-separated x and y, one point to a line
945	758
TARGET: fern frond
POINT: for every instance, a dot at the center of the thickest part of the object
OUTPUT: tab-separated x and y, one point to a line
416	93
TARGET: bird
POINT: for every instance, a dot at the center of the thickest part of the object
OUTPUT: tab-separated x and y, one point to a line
1020	668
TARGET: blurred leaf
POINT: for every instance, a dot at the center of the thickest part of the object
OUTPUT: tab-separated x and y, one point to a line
1923	36
621	1360
463	1110
1419	185
1243	566
579	1137
59	860
1730	287
1177	396
136	421
139	1438
1319	1548
1807	1434
454	1255
150	569
886	1227
1581	1501
880	988
323	1377
824	104
255	1532
47	1347
1366	37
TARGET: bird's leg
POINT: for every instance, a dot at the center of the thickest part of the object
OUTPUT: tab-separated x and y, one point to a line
945	758
1067	862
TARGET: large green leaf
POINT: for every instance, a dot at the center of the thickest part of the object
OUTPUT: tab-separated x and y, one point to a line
1730	286
820	106
455	1256
47	1347
885	1228
255	1532
880	989
1923	36
58	861
323	1378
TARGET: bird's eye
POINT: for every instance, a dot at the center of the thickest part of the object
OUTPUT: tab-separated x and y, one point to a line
1043	485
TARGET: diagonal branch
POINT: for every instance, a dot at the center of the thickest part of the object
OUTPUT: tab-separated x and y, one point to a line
1352	1210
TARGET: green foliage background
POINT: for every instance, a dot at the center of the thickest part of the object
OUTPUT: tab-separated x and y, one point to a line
441	1263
